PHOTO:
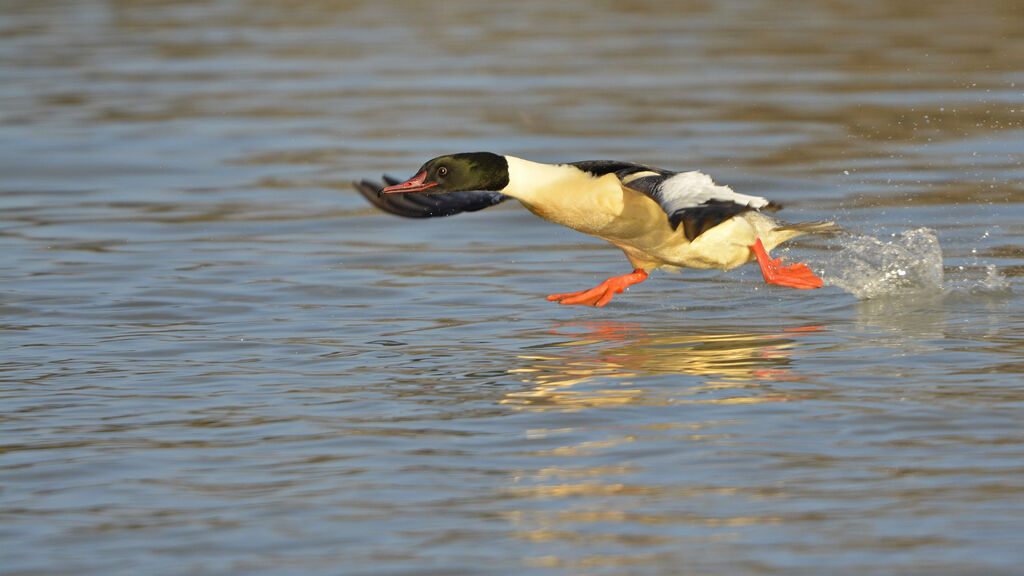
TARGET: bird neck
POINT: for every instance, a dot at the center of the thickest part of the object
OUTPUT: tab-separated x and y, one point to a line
535	183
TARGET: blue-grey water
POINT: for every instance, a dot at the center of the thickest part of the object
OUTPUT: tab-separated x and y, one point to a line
218	359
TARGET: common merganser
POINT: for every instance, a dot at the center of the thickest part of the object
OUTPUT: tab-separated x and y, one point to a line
658	218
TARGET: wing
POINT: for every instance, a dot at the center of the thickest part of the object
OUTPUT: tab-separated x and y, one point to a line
414	205
688	198
691	199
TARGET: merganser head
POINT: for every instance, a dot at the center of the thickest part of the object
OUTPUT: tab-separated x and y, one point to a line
457	173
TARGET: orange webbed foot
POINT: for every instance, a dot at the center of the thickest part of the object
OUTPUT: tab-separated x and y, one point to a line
603	292
794	276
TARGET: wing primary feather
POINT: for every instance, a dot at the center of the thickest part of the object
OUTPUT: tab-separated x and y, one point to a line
699	219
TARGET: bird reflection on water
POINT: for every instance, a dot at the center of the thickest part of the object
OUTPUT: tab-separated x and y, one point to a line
599	368
601	362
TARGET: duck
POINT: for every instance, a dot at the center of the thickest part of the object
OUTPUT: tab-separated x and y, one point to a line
660	219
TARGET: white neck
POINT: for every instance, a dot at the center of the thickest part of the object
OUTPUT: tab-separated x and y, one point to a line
530	182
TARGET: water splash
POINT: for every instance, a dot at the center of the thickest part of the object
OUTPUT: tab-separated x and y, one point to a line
994	282
966	282
868	267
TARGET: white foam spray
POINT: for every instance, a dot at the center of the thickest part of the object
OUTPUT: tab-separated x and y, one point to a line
868	267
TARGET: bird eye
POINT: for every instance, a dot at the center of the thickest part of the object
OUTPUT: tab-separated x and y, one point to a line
442	171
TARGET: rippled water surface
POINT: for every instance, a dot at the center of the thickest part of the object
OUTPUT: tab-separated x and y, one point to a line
217	358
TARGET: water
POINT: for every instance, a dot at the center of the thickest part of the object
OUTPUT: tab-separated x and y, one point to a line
218	359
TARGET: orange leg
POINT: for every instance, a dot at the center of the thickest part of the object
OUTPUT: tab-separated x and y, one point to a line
603	292
795	276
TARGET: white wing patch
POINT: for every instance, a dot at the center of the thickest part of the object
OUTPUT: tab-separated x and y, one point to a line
689	189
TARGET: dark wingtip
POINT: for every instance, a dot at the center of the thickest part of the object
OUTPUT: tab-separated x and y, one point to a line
365	187
416	205
370	188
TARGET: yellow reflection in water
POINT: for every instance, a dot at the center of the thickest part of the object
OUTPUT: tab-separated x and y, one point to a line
600	367
605	364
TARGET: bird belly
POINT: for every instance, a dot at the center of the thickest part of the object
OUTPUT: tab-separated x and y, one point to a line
723	247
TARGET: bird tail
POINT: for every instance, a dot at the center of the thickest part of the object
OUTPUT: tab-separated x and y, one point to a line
787	231
811	228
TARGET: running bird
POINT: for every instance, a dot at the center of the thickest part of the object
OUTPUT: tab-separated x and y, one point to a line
658	218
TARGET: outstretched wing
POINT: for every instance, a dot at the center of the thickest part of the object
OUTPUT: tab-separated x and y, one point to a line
690	199
415	205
